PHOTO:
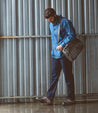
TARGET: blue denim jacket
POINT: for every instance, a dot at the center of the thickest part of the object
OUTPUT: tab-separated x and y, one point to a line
67	33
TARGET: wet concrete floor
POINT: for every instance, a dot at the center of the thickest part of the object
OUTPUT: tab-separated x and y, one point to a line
43	108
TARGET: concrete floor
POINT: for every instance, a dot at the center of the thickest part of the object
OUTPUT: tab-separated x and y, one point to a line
43	108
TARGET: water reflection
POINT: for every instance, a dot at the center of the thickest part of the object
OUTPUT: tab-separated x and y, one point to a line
42	108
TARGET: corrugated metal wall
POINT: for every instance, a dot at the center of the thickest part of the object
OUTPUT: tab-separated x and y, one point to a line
25	46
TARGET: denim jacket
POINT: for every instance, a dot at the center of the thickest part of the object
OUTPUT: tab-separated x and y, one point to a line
67	33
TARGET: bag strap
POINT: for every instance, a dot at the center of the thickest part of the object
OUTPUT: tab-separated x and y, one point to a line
59	31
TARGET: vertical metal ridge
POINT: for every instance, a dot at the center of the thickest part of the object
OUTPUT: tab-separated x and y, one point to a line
20	17
24	67
13	5
3	18
37	52
42	47
8	14
87	60
47	64
91	16
69	8
74	66
75	14
79	16
24	17
8	76
30	6
96	15
53	4
14	93
30	47
47	49
58	6
86	16
20	32
13	58
63	4
20	69
80	58
30	68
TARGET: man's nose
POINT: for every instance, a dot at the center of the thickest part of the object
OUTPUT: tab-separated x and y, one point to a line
49	20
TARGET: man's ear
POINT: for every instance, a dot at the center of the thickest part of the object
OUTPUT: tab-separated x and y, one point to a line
55	15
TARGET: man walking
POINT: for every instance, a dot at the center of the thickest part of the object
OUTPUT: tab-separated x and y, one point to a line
67	33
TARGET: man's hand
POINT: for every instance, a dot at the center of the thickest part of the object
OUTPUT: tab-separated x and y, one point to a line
59	48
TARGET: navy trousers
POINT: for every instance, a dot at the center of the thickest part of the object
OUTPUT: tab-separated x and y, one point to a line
57	65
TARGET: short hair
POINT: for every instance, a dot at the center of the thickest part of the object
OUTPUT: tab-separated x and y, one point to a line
49	12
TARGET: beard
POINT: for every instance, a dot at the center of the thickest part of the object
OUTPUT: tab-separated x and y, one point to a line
55	19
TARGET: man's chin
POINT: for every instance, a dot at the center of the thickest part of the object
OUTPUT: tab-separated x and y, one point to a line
52	22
